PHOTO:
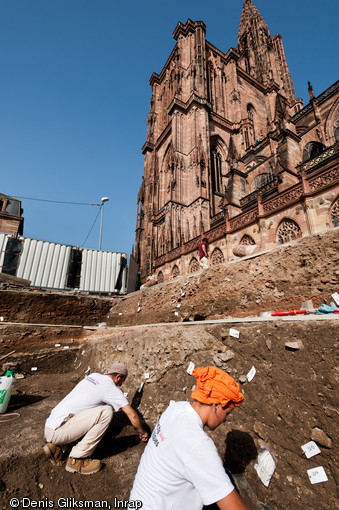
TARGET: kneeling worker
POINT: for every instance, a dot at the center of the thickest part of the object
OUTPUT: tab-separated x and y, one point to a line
180	467
84	415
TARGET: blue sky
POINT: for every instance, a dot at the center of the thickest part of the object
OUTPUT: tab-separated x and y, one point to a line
74	97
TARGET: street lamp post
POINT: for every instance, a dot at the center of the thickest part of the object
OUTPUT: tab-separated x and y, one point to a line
103	200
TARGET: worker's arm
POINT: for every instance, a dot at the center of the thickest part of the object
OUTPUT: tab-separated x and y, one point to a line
204	250
232	502
135	420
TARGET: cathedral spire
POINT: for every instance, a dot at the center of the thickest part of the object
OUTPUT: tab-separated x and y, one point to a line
250	20
261	55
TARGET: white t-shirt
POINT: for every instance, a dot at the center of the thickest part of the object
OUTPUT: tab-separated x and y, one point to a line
180	467
95	390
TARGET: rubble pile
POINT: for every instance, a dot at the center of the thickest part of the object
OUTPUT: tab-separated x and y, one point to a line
281	279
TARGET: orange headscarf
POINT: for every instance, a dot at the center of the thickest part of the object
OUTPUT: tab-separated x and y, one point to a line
216	387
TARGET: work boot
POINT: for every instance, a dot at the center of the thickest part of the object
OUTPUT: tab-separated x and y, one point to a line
54	453
83	466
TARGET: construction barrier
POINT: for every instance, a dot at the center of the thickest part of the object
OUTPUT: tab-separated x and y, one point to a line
58	266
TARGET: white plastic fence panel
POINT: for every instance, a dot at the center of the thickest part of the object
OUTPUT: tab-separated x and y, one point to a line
60	276
104	267
44	263
3	242
40	270
84	280
54	266
100	271
27	259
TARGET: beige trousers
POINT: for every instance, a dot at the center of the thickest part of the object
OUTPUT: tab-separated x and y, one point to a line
89	426
204	263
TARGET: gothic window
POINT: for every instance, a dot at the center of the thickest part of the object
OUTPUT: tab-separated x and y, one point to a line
261	180
248	240
161	248
250	112
250	115
312	150
247	141
175	271
247	61
141	213
336	134
216	170
194	265
288	230
160	277
154	249
217	257
202	173
335	213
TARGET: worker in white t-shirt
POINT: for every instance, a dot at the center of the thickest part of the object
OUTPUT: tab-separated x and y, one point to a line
180	467
83	417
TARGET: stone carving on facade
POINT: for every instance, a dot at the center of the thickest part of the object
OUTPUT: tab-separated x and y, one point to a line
194	265
324	179
159	261
174	254
217	233
288	230
283	199
335	213
247	240
235	96
217	257
243	250
244	219
192	245
320	158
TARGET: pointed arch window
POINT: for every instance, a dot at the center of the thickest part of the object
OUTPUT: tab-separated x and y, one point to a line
288	230
335	213
216	161
247	240
312	150
250	112
175	271
250	115
194	265
217	257
261	180
247	64
247	141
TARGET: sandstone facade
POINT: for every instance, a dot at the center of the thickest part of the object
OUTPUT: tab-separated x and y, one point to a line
231	153
11	220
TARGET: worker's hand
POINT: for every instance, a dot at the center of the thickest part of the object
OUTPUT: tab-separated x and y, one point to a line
144	437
